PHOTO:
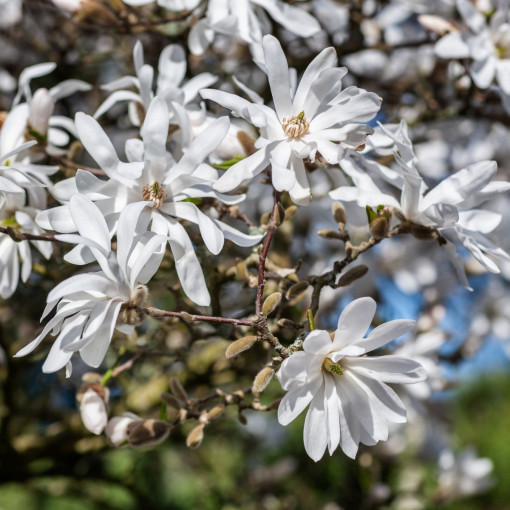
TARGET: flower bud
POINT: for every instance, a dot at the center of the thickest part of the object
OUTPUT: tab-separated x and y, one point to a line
329	234
147	432
290	211
116	430
195	437
41	109
296	289
271	303
286	323
171	401
94	410
239	346
215	412
339	213
355	273
178	390
278	214
379	221
262	379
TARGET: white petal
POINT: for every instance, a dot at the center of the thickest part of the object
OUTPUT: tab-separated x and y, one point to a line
452	45
354	322
385	333
390	369
315	432
318	342
278	76
245	169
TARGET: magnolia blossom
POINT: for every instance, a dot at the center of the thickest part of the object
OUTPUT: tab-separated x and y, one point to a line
349	400
89	304
487	44
247	20
449	208
153	179
35	116
20	215
170	87
318	118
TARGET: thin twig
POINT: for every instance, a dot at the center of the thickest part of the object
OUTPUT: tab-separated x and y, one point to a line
263	255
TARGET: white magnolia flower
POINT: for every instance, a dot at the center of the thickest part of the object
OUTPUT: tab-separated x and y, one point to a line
89	304
93	411
486	44
19	214
35	115
169	85
247	21
464	474
152	178
17	172
449	208
349	400
318	118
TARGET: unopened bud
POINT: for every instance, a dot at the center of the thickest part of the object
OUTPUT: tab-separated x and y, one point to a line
242	271
379	221
271	303
290	211
215	412
147	432
262	379
278	214
286	323
186	317
195	437
339	213
329	234
242	419
178	390
296	289
171	401
265	219
94	408
355	273
239	346
116	430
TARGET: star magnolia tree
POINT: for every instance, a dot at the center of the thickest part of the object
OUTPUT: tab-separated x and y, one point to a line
248	190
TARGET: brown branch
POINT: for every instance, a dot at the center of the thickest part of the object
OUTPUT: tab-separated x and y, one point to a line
19	236
263	255
156	313
328	279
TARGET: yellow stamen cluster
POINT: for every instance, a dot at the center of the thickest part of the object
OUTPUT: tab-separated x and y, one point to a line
295	126
332	367
155	193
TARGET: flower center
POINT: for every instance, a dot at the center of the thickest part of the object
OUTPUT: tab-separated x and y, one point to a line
332	367
295	126
155	193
